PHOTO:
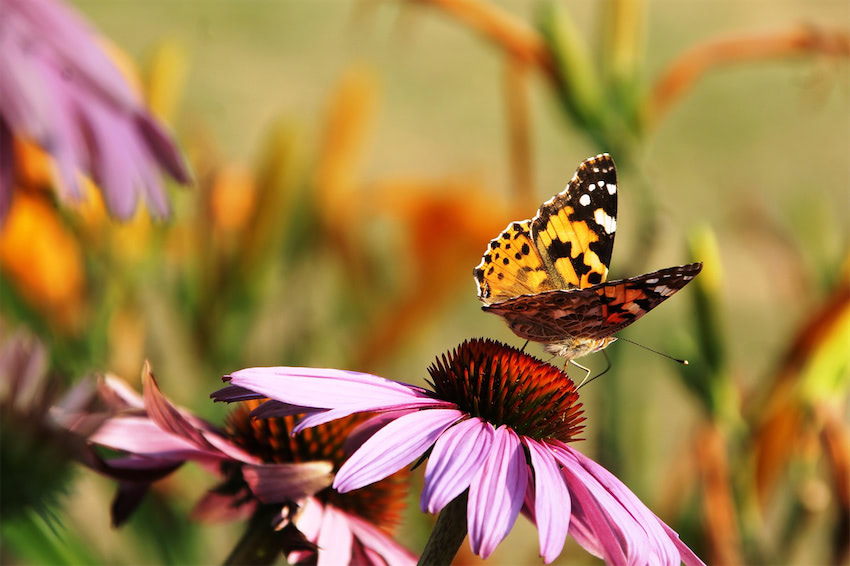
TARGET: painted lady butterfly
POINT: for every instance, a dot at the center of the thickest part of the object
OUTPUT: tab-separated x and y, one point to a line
546	276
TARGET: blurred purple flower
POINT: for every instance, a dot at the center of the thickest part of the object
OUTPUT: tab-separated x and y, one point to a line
261	478
497	423
60	90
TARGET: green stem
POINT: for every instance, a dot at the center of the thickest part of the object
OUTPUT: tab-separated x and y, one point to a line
260	544
448	534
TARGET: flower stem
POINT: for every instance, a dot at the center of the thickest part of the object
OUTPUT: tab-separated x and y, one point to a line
448	534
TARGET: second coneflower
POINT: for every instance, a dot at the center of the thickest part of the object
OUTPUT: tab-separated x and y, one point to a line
280	482
496	429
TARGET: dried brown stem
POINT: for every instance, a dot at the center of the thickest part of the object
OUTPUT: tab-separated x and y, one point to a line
684	72
513	35
519	135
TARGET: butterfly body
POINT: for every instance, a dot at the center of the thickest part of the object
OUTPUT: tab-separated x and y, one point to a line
546	276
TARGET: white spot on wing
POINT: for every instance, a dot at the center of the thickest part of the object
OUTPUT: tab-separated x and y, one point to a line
663	290
652	281
584	200
612	188
608	223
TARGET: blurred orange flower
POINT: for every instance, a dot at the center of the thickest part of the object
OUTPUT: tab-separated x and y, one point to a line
43	260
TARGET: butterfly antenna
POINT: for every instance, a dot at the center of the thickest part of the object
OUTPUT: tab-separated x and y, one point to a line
683	362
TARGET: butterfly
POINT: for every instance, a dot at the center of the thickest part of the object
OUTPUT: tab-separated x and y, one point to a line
547	276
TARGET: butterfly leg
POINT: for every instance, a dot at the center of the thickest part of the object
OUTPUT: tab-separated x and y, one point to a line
586	374
585	381
523	346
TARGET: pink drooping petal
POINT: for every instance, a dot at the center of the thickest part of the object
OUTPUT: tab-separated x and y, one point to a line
662	548
551	500
117	395
278	483
457	457
393	447
601	522
326	388
497	492
140	435
166	416
590	526
335	539
687	555
309	522
376	541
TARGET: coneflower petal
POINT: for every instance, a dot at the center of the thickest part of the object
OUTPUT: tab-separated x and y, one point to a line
393	447
660	542
392	553
457	456
497	493
335	539
551	500
325	388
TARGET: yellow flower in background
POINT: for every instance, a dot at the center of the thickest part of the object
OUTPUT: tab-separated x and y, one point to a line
43	261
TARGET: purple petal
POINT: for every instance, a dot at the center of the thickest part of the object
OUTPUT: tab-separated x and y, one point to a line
117	395
457	456
595	515
216	507
317	418
662	546
364	431
165	415
551	500
497	493
127	500
327	388
273	408
71	38
375	540
162	145
233	393
687	555
393	447
335	539
139	435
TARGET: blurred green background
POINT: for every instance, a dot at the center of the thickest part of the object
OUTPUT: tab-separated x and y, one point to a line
377	138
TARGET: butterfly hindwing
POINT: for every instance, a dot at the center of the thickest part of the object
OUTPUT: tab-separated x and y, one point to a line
574	231
595	312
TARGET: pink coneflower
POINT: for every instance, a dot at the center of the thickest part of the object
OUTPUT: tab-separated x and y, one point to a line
496	428
59	89
281	483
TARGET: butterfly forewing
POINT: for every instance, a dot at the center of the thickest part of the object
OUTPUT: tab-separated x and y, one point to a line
511	266
566	245
574	231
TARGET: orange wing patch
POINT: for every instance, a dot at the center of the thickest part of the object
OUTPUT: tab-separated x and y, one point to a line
512	266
